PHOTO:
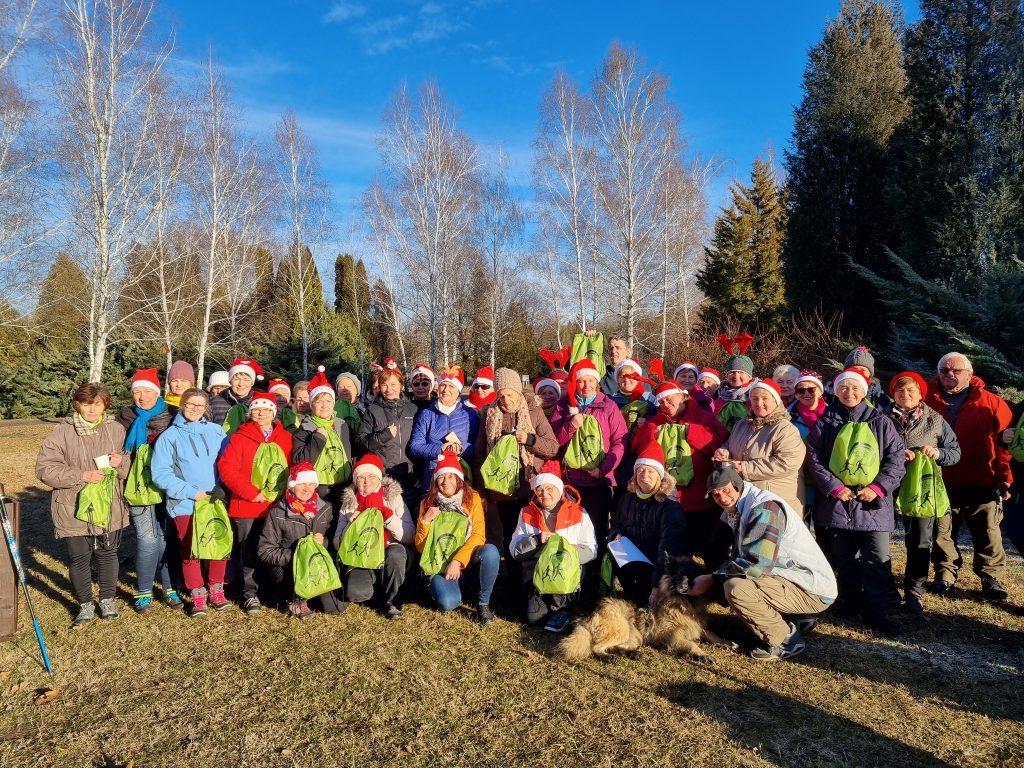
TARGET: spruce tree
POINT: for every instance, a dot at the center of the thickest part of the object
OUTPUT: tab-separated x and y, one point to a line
741	278
61	315
853	101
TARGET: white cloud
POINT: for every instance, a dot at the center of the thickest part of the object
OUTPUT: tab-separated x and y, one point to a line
343	10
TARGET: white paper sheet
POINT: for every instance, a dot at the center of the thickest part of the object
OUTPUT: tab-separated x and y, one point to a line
625	551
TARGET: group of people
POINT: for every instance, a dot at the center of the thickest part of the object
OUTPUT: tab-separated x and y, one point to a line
785	489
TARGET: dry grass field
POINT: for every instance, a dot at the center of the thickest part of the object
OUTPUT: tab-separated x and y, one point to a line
431	690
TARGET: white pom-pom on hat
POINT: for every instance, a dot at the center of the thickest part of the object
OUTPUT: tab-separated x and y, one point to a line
321	368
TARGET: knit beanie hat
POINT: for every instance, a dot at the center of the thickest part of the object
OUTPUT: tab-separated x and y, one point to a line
303	472
350	377
182	370
908	375
862	358
740	363
506	378
219	379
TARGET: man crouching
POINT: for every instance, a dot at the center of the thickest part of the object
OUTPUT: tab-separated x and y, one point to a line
776	568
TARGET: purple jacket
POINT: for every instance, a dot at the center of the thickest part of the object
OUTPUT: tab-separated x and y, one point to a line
613	435
854	515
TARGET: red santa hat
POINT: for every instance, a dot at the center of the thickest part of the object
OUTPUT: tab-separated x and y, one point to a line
768	385
850	374
249	367
667	389
390	363
448	464
484	376
584	367
652	456
370	463
421	369
711	373
319	385
916	377
629	364
546	381
550	474
687	365
303	472
147	378
453	375
263	400
280	384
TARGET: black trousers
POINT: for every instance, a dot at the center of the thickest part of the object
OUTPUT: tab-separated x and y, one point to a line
83	552
247	532
361	584
863	568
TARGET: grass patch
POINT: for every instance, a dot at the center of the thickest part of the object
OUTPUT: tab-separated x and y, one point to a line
433	690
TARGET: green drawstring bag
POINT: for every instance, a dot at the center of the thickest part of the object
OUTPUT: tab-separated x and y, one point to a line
678	456
500	469
855	457
332	465
96	500
211	530
607	586
362	544
634	411
588	346
731	412
558	568
237	416
922	492
312	570
139	489
447	534
586	448
289	419
270	470
1017	444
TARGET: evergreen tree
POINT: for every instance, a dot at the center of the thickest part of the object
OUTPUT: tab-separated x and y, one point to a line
853	101
352	299
957	180
61	316
742	274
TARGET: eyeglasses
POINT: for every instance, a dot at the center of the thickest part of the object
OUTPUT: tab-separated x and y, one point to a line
956	371
804	390
195	406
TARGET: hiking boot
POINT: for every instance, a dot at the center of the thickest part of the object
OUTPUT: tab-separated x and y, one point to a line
108	610
173	600
882	624
198	603
913	602
941	587
300	609
143	603
86	613
484	614
217	599
393	612
251	605
992	589
557	621
792	646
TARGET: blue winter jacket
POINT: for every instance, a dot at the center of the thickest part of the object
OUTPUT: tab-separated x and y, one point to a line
854	515
429	430
185	462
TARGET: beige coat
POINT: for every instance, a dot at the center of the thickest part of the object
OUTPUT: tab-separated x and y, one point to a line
62	459
772	453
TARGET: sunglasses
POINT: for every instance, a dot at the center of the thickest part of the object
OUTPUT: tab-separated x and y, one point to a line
804	390
421	384
481	386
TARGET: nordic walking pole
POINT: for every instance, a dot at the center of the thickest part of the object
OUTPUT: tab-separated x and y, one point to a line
12	545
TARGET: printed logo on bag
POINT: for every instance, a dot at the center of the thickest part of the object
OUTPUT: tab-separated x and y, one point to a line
860	452
319	569
368	538
213	531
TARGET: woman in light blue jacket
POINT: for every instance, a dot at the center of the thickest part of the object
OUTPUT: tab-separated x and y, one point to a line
184	466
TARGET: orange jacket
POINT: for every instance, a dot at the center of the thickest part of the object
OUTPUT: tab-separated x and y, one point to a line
476	536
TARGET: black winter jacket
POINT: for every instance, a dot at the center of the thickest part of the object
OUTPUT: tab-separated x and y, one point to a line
656	525
308	444
374	436
283	529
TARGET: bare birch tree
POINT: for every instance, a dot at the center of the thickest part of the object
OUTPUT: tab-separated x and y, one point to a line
382	221
105	72
563	174
229	197
306	201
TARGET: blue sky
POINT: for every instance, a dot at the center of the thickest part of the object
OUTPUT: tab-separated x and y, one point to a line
735	67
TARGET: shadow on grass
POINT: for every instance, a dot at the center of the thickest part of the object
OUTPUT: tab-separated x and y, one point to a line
788	732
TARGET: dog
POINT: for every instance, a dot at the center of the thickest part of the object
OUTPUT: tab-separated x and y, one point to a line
675	622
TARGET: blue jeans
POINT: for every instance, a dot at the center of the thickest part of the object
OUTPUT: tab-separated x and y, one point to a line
447	593
151	534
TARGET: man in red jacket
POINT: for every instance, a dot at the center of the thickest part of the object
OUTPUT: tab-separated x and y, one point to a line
247	504
979	483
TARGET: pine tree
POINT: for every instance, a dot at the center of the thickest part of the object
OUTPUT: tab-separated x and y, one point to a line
61	315
853	101
958	180
742	275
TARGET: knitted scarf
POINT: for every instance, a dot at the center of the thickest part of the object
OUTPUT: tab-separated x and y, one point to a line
327	423
522	423
83	427
306	509
807	416
138	433
478	401
907	420
725	392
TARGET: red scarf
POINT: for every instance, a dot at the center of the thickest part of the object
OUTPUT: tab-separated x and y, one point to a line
478	401
376	499
306	509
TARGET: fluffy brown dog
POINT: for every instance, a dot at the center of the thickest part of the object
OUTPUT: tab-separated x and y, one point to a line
675	622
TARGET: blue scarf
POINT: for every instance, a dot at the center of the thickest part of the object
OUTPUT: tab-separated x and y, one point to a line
583	402
139	430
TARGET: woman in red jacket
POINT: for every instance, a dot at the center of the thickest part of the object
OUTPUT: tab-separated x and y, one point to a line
248	504
705	434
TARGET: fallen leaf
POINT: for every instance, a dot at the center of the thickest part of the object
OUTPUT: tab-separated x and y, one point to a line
46	696
4	675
